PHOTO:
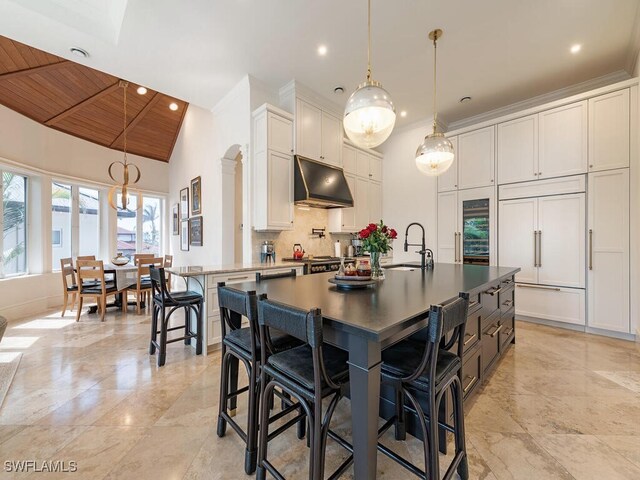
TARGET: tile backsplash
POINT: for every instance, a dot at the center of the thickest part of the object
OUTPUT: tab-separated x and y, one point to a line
304	220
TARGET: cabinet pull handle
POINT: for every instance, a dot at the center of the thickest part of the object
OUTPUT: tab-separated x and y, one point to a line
540	287
508	303
469	340
460	247
535	248
539	248
495	332
507	282
472	304
238	278
590	249
455	246
471	383
494	291
508	332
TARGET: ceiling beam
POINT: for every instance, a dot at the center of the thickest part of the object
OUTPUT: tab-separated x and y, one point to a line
31	71
135	120
82	104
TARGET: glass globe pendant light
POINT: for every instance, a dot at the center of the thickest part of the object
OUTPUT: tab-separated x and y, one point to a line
435	154
370	115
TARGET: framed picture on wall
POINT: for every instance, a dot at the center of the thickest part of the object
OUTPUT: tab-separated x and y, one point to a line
196	196
195	231
184	204
184	235
175	219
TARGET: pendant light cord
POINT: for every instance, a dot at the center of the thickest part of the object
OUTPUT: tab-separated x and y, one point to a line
124	128
369	41
435	64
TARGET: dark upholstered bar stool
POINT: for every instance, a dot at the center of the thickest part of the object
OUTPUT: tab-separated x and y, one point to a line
164	300
243	344
308	374
421	370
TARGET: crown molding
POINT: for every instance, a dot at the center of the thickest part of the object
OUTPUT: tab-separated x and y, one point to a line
559	94
242	87
298	89
634	45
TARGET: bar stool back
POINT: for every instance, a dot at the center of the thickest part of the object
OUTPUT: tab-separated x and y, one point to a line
270	276
422	368
164	300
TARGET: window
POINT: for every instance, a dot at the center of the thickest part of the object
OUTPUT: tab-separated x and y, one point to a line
61	201
127	226
89	221
14	224
151	225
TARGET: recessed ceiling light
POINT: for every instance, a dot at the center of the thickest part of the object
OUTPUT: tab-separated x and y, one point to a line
576	48
338	90
79	52
141	91
465	99
173	106
403	113
322	50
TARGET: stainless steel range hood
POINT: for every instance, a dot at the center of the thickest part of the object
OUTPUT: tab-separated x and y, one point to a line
320	185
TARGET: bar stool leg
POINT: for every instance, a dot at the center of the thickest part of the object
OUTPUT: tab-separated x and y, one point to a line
233	384
433	466
224	385
251	452
162	354
458	413
187	323
154	330
401	428
200	327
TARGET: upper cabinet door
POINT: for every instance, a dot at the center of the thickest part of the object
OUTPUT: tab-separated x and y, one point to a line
280	191
280	131
331	140
561	240
476	158
518	150
375	168
449	180
362	164
609	131
361	202
375	202
349	159
517	237
308	130
563	141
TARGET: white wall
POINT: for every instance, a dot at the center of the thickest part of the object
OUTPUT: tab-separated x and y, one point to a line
206	137
407	195
43	154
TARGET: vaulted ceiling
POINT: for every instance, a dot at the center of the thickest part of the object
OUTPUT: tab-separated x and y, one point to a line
87	103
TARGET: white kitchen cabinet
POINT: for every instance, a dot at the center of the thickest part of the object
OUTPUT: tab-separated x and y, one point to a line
349	159
609	131
368	166
448	227
476	158
361	202
343	220
273	167
518	150
449	180
318	134
375	168
608	250
545	238
562	141
375	202
558	304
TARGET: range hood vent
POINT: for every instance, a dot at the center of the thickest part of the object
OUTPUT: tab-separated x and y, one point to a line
320	185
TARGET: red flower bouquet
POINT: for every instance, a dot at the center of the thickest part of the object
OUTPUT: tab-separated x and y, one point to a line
376	238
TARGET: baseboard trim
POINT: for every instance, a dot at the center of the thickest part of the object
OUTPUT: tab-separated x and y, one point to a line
580	328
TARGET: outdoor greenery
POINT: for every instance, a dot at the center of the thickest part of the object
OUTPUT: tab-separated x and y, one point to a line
14	213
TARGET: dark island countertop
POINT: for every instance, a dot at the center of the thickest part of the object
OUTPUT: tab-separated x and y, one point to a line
379	312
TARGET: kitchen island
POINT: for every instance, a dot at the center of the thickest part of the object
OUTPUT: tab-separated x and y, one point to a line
364	322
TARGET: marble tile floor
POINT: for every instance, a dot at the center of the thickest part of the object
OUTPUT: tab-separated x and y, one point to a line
561	405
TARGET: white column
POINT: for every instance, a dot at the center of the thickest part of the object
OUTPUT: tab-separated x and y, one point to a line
228	172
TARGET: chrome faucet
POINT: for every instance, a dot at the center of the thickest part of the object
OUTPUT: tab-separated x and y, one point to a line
423	251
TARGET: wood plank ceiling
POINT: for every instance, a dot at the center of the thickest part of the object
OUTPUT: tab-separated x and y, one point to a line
86	103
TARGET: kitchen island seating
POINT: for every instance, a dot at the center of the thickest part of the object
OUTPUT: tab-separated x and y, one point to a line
308	373
164	300
242	344
92	283
421	369
142	286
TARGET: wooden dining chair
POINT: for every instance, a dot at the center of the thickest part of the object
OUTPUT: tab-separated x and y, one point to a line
143	282
91	283
69	285
137	256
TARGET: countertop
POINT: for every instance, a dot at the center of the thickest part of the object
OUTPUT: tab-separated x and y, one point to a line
195	270
404	297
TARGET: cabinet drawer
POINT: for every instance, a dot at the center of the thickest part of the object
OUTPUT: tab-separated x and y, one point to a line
489	299
212	302
231	278
551	303
490	340
472	331
474	303
275	271
506	298
471	373
507	322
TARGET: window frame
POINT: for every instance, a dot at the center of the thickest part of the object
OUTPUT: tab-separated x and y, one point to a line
27	207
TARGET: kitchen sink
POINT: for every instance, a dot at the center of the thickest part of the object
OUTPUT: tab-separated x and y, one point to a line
404	269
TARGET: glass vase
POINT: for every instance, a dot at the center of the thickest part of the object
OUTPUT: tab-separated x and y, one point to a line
377	272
